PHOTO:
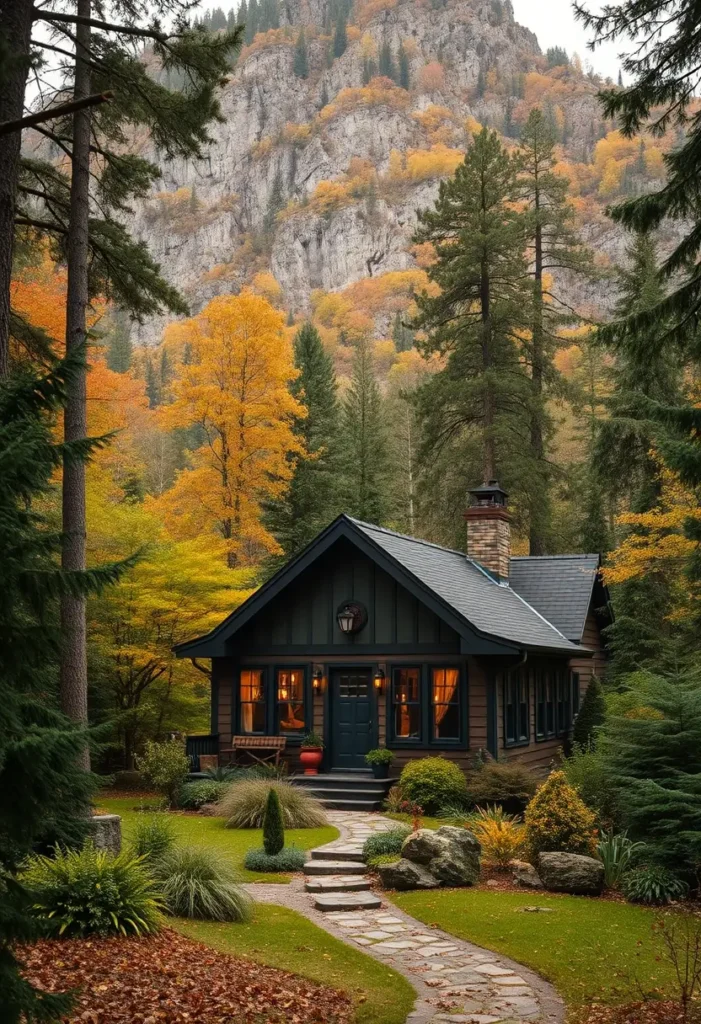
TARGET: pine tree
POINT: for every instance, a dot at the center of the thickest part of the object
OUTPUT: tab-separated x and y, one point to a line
620	79
404	70
476	406
231	20
363	443
387	68
402	335
311	501
119	352
242	14
273	827
275	203
553	246
301	61
481	86
44	792
340	37
591	716
654	762
165	371
218	22
253	20
369	69
323	96
153	390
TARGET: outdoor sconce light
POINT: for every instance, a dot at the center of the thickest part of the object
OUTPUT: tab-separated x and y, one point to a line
318	680
379	680
351	617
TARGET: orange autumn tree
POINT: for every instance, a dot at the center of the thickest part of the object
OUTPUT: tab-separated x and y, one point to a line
236	391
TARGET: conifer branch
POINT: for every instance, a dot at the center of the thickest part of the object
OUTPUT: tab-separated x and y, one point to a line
104	26
8	127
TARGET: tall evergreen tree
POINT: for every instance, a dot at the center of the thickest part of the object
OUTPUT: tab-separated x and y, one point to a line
387	68
275	203
363	443
312	499
340	37
404	70
44	791
120	349
553	247
153	389
242	14
253	21
478	404
301	61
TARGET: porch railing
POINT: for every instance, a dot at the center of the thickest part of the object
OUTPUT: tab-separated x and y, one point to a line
196	745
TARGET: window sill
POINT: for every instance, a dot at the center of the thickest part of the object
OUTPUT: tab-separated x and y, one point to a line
516	743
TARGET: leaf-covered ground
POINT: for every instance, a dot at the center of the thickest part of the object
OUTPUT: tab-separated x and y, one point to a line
170	979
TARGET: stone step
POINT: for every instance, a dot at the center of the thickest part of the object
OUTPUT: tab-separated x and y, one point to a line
333	867
345	792
338	853
341	883
348	901
331	804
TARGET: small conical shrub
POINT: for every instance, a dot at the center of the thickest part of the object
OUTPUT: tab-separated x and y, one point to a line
273	829
591	714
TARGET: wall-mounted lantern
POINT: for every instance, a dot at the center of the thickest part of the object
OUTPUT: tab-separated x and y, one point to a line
318	679
379	679
351	617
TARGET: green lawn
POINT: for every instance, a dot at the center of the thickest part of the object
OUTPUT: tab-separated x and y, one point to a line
282	938
589	949
426	822
194	829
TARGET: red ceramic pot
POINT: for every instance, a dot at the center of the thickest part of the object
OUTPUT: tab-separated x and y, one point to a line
310	758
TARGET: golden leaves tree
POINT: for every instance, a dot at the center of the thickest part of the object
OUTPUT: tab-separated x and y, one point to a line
235	393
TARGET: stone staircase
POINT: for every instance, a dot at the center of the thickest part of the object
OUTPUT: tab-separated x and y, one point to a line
346	791
337	879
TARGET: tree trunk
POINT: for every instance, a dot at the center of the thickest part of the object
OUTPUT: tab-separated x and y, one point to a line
489	456
537	539
15	32
74	674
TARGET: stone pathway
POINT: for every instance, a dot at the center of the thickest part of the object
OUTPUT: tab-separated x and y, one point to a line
456	981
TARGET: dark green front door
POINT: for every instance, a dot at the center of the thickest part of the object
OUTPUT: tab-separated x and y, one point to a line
351	718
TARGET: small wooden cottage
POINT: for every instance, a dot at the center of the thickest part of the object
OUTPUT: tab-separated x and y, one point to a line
372	638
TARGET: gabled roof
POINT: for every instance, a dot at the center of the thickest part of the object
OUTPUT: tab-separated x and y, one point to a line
455	587
559	586
491	607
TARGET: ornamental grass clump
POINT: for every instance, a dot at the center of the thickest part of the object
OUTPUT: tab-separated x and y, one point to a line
89	892
432	782
501	835
290	858
198	882
558	820
385	843
243	805
153	835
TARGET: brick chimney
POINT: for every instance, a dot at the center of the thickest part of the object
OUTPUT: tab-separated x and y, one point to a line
489	529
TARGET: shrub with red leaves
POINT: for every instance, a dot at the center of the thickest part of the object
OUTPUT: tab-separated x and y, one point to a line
169	979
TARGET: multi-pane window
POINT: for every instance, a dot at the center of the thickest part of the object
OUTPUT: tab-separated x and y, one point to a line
290	701
575	695
406	703
564	702
445	703
252	700
516	708
545	703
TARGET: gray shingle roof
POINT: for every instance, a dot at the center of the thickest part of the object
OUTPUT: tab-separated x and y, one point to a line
559	586
492	608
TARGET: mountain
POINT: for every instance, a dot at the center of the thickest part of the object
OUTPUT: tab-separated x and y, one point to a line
317	179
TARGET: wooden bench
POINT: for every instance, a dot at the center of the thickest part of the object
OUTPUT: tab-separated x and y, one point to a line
255	747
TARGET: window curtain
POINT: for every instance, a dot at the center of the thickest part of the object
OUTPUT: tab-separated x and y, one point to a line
445	684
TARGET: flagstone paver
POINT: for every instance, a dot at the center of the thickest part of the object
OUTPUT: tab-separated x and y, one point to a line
455	981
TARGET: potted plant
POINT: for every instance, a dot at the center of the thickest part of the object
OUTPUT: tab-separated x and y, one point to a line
380	760
312	753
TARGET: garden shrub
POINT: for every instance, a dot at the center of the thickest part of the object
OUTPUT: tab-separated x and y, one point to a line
88	892
243	805
273	829
129	781
501	835
592	714
386	842
290	858
194	795
587	769
198	882
165	766
616	852
394	800
506	783
431	782
654	885
153	836
557	819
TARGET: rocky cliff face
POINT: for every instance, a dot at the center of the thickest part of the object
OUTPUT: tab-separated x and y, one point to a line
260	199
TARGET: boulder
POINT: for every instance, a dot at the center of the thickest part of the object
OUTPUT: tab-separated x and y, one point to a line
525	874
422	846
106	832
571	872
405	875
451	854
